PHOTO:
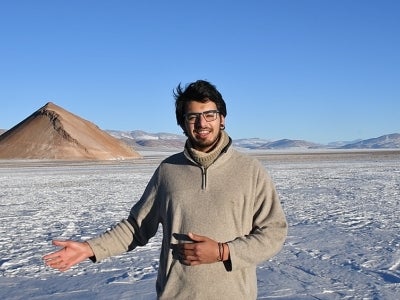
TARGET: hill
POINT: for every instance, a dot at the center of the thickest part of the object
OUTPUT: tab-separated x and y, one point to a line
142	140
279	144
54	133
388	141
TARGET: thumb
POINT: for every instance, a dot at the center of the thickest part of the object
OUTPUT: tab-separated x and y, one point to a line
196	237
59	243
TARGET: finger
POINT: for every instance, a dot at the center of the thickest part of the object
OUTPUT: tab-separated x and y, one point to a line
56	253
183	254
192	258
49	262
59	243
190	262
185	262
58	263
55	263
188	247
64	267
196	237
51	256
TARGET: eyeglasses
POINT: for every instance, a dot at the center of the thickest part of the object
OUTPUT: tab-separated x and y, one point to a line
209	116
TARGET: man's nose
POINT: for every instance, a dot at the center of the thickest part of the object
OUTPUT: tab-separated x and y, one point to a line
201	120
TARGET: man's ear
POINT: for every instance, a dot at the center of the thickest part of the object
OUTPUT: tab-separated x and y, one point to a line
222	124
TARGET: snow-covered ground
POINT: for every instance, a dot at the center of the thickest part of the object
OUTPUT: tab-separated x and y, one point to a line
343	243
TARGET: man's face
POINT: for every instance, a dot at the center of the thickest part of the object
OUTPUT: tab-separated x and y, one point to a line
203	133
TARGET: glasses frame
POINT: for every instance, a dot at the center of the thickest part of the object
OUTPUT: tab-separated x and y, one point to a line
197	116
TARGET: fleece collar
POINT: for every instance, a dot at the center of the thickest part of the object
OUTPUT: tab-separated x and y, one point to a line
206	159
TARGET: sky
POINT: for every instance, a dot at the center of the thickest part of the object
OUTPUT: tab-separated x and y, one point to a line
314	70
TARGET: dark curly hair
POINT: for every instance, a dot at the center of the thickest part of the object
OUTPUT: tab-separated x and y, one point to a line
201	91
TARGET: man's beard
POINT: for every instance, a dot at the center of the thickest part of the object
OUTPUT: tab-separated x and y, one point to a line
202	144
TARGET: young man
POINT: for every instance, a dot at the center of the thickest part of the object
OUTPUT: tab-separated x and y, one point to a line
219	210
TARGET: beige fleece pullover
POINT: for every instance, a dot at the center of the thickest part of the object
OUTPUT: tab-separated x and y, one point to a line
233	200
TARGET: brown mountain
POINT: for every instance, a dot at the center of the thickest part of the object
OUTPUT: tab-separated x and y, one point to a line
54	133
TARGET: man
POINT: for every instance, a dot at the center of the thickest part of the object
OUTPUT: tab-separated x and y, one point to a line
219	210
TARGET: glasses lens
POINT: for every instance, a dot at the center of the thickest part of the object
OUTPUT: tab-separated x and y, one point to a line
210	115
191	118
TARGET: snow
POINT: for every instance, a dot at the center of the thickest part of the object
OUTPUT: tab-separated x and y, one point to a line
343	240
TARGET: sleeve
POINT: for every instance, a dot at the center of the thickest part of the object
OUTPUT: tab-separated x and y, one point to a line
141	225
269	229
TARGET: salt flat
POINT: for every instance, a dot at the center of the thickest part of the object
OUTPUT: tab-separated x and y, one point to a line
342	208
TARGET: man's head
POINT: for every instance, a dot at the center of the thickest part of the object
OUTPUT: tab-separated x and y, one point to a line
200	111
200	91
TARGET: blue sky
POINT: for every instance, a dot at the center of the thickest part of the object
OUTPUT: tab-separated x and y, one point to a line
320	71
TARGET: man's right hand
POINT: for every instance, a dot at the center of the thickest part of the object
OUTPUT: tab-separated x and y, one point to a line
72	253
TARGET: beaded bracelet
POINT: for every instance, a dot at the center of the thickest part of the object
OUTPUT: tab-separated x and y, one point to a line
221	251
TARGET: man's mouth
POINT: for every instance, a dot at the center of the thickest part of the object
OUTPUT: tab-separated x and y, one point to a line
202	133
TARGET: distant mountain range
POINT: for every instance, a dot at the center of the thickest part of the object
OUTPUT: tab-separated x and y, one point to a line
52	132
144	140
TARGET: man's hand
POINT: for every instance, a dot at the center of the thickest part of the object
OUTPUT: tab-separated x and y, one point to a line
71	254
203	250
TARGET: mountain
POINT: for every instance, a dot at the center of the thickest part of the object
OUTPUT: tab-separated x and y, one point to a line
142	140
251	143
339	144
388	141
286	143
54	133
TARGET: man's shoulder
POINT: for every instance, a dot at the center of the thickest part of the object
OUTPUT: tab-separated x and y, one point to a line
246	157
174	158
240	159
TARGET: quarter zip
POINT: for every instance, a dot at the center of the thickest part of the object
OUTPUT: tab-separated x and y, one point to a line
199	161
204	178
204	169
